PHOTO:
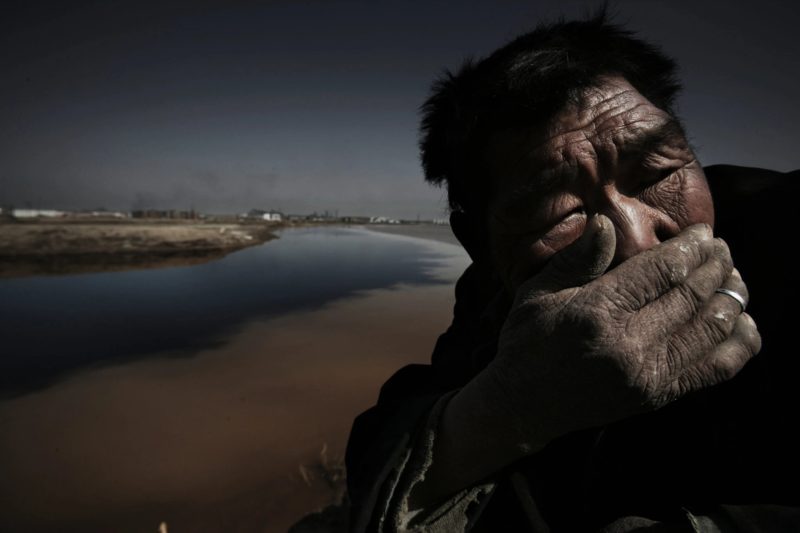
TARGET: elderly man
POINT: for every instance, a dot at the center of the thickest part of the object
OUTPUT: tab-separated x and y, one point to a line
591	377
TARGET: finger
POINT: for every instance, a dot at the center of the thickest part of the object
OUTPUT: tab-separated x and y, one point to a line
723	307
647	276
579	263
680	304
713	325
725	361
736	284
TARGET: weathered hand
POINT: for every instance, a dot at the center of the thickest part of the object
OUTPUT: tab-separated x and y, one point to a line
583	347
587	347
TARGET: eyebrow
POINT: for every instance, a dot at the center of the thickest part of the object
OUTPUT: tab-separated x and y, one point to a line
542	183
636	146
650	140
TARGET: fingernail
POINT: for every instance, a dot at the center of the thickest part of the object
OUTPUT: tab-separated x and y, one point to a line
703	231
593	226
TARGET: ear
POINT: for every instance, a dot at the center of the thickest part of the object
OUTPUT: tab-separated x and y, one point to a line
472	234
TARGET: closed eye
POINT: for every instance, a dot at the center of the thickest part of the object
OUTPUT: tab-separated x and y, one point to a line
568	224
666	190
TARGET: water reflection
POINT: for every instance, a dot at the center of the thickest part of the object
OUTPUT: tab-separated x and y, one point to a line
53	325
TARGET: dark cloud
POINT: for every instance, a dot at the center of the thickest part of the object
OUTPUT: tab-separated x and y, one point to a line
312	105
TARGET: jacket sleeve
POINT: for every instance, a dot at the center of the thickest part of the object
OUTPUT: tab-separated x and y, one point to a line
381	498
390	444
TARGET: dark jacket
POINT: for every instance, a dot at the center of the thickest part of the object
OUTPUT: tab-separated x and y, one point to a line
733	444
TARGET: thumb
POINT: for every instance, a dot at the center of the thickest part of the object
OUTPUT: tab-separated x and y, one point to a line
586	259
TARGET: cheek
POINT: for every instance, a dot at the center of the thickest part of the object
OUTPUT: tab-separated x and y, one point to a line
699	205
528	256
684	198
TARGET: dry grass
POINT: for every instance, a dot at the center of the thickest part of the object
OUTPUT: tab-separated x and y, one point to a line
331	473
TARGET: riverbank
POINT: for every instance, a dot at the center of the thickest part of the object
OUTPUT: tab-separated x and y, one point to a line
427	231
42	248
229	439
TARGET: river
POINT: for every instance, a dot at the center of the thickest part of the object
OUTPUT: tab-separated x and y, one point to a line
54	326
203	397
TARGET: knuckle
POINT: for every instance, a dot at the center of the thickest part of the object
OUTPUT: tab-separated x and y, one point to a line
723	253
726	366
594	325
624	299
671	266
715	325
721	366
748	331
689	296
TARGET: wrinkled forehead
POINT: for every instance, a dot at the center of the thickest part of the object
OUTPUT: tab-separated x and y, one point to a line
601	121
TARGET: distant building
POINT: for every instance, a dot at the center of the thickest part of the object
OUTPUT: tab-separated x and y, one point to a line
171	214
383	220
260	214
98	213
355	220
34	213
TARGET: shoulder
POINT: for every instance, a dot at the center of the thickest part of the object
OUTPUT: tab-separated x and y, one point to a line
755	213
736	180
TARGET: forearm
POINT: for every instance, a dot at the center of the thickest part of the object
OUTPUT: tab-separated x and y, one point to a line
479	434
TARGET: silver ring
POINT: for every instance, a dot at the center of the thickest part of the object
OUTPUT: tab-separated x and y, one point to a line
735	295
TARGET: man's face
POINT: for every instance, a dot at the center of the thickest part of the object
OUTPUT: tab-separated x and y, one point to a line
613	153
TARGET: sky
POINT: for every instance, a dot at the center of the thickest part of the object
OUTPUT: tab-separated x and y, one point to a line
305	105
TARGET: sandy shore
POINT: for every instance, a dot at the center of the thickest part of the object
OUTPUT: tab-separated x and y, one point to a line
431	232
68	248
216	442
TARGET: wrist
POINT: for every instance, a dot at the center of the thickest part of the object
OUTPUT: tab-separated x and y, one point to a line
483	429
502	414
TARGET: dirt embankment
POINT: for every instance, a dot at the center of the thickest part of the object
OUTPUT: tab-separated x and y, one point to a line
65	248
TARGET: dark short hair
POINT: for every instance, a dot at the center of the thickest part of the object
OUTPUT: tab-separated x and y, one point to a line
525	83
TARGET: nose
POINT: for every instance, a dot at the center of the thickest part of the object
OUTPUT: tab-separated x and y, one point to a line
638	226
